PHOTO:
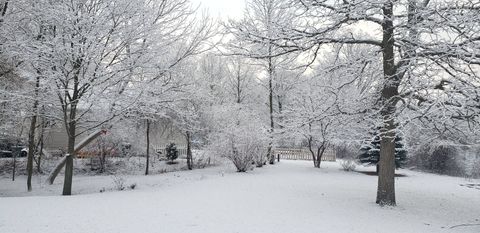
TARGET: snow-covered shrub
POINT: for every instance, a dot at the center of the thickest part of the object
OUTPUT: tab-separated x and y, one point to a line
348	164
118	183
239	135
202	161
240	149
347	153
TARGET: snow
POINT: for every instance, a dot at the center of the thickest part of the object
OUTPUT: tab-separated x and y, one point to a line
291	196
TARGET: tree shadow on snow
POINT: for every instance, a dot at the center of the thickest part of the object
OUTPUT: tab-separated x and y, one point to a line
373	173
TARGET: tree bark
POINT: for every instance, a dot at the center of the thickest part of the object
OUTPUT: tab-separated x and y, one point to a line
270	157
67	183
310	148
386	179
148	146
189	151
40	152
31	136
320	152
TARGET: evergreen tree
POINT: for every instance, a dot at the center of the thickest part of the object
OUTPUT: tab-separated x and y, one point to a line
370	152
172	152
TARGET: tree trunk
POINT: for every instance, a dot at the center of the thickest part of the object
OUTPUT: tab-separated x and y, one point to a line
67	183
280	109
31	150
320	152
14	158
316	162
40	152
270	155
31	136
310	148
3	9
189	151
148	146
386	179
71	132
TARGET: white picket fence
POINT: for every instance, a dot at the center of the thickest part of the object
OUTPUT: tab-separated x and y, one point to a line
182	149
284	153
302	154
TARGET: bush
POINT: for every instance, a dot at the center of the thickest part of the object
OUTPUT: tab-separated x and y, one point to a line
440	159
132	186
118	183
443	161
241	150
246	154
242	141
202	162
348	164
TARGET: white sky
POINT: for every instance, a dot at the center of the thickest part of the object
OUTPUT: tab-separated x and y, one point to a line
222	8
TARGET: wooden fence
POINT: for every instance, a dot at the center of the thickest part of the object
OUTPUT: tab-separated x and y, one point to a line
285	153
182	150
302	154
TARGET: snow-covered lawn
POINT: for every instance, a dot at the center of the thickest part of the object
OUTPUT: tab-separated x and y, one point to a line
289	197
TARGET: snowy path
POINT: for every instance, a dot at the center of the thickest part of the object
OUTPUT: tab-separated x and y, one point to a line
290	197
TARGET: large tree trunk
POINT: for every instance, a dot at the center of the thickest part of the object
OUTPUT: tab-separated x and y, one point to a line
386	179
67	183
31	136
189	151
148	146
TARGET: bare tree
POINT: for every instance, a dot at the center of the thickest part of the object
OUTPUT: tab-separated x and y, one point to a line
408	37
261	17
99	49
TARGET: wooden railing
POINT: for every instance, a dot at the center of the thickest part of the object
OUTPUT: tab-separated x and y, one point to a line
302	154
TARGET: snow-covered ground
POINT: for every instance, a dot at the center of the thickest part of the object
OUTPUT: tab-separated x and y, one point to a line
291	196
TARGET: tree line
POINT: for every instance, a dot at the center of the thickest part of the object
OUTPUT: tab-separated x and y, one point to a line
312	73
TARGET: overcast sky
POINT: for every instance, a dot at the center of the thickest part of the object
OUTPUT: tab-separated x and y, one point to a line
222	8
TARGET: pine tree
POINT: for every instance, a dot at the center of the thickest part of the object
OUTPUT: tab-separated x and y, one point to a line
370	152
172	152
